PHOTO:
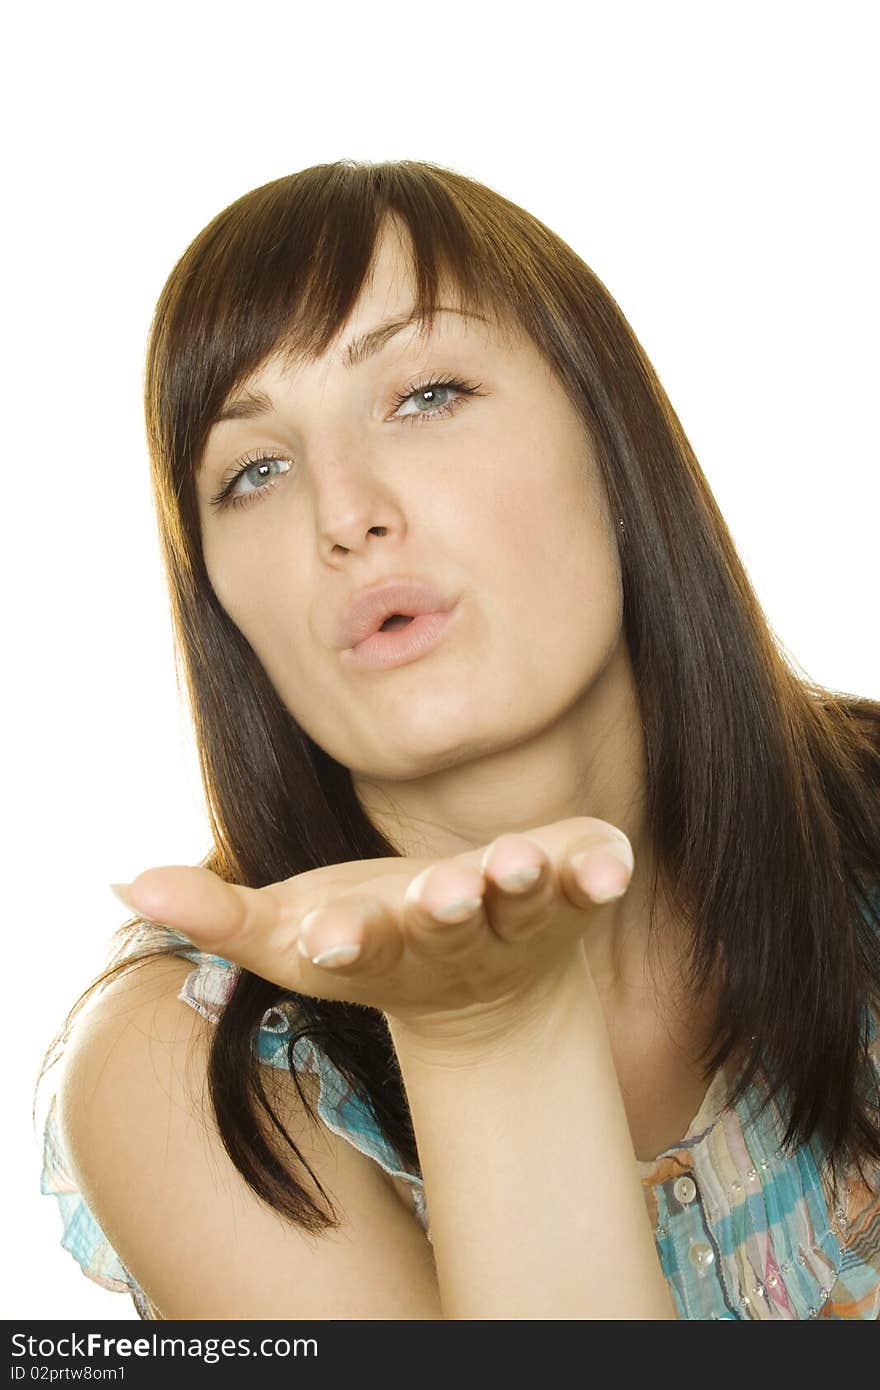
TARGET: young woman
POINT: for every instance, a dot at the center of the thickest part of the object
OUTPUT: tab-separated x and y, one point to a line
534	970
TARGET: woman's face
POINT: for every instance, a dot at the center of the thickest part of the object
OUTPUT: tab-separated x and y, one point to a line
496	503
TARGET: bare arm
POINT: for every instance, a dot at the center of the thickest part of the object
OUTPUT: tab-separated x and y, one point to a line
181	1217
532	1186
534	1198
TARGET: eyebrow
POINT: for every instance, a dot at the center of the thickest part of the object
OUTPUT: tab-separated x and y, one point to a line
252	404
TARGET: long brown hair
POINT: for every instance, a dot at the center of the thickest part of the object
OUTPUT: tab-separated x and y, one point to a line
763	788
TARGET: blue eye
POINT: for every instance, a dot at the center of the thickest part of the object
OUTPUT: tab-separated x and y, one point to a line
430	388
261	459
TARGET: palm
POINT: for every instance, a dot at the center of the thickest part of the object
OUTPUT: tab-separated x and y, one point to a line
411	965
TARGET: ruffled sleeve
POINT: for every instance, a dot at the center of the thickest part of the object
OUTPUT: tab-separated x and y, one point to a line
855	1292
207	989
81	1236
341	1108
81	1233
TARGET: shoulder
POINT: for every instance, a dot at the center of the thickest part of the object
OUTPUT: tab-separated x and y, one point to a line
136	1040
138	1011
141	1140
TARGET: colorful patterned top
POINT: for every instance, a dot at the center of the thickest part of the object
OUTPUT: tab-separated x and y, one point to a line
742	1231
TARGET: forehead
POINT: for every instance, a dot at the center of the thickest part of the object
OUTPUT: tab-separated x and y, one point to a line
348	352
365	336
389	292
384	313
391	276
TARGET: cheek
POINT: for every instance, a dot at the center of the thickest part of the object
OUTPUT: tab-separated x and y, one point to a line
223	565
553	544
259	594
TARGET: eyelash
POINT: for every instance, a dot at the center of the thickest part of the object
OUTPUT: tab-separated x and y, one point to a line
225	498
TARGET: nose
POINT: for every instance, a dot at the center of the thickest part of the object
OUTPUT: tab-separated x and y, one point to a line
353	505
353	533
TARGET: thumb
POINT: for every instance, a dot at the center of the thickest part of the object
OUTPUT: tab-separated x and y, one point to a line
190	899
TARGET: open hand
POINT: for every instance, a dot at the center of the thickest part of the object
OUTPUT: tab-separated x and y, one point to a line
423	940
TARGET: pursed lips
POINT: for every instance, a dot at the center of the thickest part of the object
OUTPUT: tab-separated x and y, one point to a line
399	598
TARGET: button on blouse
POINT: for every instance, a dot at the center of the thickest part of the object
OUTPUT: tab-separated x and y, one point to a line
685	1190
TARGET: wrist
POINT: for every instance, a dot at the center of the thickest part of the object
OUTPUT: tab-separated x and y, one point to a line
484	1032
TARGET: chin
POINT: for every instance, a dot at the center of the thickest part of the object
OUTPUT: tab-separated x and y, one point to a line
418	753
414	755
401	767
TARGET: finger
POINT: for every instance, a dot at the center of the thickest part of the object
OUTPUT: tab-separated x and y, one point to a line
443	908
256	928
355	933
521	885
597	869
191	899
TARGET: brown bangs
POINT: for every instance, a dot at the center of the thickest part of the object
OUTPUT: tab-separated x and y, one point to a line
280	270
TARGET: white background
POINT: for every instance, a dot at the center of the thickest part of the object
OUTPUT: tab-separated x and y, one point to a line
713	163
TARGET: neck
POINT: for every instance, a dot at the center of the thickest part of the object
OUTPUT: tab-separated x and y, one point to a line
589	761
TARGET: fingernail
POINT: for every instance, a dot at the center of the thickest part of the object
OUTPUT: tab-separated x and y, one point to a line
320	951
337	955
609	897
521	878
623	850
599	872
458	911
120	890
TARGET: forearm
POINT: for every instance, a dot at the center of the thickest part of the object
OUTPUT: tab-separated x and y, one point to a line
534	1198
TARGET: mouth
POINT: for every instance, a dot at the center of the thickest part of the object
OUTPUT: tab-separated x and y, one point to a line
401	639
396	621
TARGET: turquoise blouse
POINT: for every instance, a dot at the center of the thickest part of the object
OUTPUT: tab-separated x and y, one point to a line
742	1231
